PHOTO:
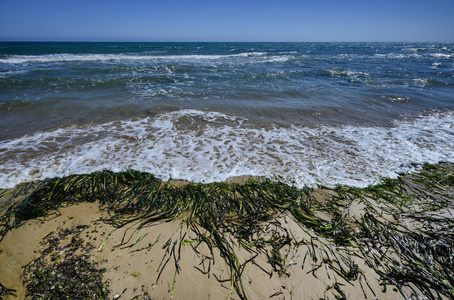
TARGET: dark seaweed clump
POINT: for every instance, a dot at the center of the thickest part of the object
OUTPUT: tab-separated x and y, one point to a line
65	271
4	291
405	231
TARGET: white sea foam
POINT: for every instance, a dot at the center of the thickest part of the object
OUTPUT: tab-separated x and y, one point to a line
397	56
422	82
425	82
9	73
436	65
209	146
442	55
283	58
355	75
20	59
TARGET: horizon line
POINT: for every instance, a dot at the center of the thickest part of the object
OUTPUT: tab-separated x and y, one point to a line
176	41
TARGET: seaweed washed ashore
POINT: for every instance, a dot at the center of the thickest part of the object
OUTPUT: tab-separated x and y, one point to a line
129	235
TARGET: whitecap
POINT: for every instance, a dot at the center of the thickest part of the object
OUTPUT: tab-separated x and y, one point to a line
442	55
20	59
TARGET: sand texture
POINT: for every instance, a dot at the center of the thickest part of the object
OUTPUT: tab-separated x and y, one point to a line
283	257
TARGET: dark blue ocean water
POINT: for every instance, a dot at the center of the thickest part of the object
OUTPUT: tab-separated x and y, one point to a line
309	112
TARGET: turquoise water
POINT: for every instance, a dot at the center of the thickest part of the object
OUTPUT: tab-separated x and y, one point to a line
309	112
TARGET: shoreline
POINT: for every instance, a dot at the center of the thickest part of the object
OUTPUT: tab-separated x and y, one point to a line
210	146
249	239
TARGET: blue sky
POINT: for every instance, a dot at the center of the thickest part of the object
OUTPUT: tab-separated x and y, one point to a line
220	20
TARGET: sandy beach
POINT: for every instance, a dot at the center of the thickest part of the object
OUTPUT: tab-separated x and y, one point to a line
135	271
279	256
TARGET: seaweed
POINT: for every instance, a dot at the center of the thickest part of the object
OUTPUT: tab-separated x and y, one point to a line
65	272
405	231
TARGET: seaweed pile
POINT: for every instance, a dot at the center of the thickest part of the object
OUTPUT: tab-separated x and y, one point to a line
64	270
404	230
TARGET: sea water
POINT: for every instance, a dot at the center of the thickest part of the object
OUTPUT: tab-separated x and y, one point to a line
305	113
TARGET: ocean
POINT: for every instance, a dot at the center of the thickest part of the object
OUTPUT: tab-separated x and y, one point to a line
304	113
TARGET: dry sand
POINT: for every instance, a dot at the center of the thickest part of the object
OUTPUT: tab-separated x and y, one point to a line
134	270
